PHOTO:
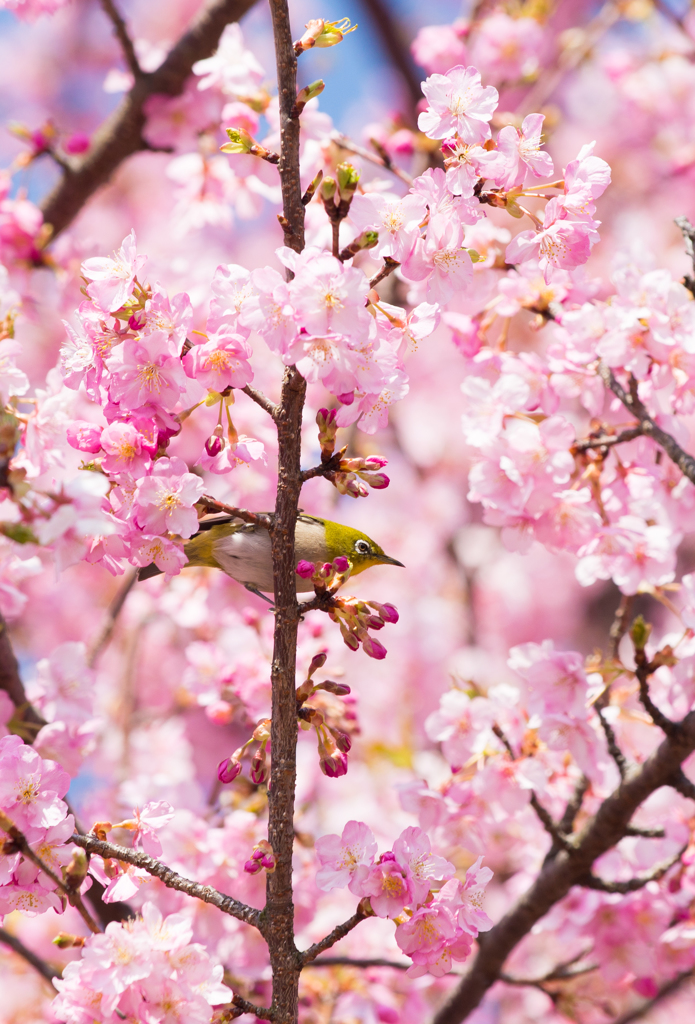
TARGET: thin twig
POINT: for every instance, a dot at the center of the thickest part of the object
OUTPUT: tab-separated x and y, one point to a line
620	623
348	961
643	669
259	398
206	893
338	933
681	458
688	232
18	947
606	440
121	32
612	744
352	147
114	610
388	268
574	805
263	1012
636	883
255	518
21	843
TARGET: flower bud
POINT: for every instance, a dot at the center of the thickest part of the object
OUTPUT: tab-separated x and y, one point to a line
228	769
76	143
348	177
373	648
317	662
339	689
65	941
334	765
76	871
214	445
259	767
306	94
388	612
305	569
377	480
84	436
252	867
327	189
341	564
640	632
323	33
262	731
342	741
239	141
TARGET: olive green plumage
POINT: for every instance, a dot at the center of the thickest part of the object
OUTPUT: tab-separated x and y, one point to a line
242	550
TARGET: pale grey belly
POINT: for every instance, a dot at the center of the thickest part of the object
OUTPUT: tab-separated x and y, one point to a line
246	557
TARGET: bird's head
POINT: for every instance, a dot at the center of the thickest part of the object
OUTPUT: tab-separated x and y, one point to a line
356	546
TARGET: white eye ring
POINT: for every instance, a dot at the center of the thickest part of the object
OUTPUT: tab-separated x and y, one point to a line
362	548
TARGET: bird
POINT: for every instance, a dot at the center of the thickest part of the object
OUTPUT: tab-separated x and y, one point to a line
242	550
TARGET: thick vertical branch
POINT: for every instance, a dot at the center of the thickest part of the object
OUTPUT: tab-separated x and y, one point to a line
278	923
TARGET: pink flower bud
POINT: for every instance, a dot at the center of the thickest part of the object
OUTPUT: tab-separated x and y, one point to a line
334	765
342	741
646	987
252	867
339	689
257	855
78	142
378	481
388	612
374	462
305	569
268	862
341	564
138	320
259	768
347	399
318	661
351	641
373	648
84	436
387	1014
214	445
389	855
374	622
228	769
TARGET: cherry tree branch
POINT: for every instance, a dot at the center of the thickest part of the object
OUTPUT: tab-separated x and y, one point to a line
606	440
255	518
338	933
684	461
121	32
559	875
388	268
682	784
259	398
121	134
114	610
170	878
381	159
348	961
278	915
11	682
18	947
636	883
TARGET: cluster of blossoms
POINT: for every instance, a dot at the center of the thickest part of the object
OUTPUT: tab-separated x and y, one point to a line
31	801
437	916
144	970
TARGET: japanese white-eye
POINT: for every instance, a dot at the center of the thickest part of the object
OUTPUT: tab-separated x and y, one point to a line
242	550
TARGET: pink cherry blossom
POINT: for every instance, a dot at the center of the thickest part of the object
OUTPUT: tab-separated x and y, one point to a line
165	500
221	361
345	860
458	104
112	279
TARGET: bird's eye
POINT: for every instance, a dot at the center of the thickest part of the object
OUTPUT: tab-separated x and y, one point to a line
362	548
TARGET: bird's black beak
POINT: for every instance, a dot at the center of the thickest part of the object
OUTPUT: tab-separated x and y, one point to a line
391	561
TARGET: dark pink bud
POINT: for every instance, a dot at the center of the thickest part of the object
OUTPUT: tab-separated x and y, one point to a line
646	987
347	399
257	855
341	564
374	462
374	622
228	770
339	689
373	648
388	612
268	862
387	1014
138	320
334	765
351	641
317	662
342	741
305	569
378	481
214	445
77	143
84	436
39	140
252	867
389	855
259	769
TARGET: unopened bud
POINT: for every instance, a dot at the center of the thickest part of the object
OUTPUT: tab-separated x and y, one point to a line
76	871
259	768
65	941
214	445
306	94
640	633
388	612
262	731
339	689
229	769
327	189
342	741
341	564
334	765
348	177
252	867
323	33
240	141
305	569
317	662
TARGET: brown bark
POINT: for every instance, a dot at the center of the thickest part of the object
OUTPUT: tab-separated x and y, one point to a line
278	915
121	134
